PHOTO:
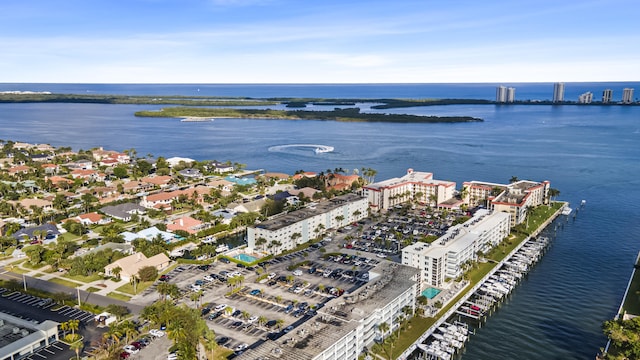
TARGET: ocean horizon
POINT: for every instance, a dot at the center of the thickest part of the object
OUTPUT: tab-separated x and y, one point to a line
587	152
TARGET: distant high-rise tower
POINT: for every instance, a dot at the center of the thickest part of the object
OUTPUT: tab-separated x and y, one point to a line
607	96
627	95
504	94
501	94
586	98
558	92
511	94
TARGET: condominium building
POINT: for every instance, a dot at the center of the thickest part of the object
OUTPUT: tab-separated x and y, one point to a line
511	94
444	258
286	231
415	185
627	95
585	98
607	96
505	95
512	198
519	196
558	92
346	325
501	94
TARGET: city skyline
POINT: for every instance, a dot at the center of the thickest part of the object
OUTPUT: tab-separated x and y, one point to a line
250	41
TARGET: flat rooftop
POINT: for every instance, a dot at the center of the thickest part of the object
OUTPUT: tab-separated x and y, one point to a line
293	217
339	316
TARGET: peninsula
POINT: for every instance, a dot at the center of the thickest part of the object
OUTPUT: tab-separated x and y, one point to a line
337	114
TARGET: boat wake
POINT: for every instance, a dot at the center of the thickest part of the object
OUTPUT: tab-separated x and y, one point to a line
318	149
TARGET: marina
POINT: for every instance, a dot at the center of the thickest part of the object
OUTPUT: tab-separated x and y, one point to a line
446	338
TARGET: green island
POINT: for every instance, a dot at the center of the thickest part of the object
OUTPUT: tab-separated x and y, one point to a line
346	115
135	100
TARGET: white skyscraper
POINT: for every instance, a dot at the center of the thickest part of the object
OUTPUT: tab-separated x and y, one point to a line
505	95
607	96
585	98
501	94
627	95
558	92
511	94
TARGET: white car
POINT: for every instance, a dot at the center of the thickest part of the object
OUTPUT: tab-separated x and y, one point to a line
195	287
241	347
272	276
297	272
252	319
208	278
156	332
220	307
130	349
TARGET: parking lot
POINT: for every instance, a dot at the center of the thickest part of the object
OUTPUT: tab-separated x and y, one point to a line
36	309
290	291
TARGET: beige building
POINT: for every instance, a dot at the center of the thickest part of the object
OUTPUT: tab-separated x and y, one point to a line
519	196
444	258
415	185
286	231
130	265
19	337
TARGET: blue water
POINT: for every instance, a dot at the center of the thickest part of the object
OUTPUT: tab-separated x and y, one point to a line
587	153
246	258
430	293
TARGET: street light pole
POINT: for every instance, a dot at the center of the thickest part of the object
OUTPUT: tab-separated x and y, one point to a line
24	282
78	297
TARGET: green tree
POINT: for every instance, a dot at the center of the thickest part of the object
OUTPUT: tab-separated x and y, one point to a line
148	273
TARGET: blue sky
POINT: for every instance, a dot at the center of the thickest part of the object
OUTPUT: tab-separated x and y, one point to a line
329	41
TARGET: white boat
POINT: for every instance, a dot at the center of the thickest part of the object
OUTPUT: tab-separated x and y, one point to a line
324	149
567	211
222	248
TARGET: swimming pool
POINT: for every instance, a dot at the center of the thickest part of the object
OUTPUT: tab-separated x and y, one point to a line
431	292
241	180
245	258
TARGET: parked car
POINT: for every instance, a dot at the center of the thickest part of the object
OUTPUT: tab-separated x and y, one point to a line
156	332
255	292
131	349
220	307
297	272
215	315
222	340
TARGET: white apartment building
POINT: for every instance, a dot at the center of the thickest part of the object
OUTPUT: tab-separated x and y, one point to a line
347	324
511	94
501	94
415	185
585	98
627	95
444	258
285	232
558	92
607	96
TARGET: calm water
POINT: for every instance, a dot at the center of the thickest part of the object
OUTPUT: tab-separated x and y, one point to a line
587	153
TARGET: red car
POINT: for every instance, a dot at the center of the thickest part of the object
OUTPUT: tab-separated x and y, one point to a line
124	355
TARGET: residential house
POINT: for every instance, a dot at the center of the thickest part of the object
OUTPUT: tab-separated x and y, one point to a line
223	185
131	265
159	181
31	233
173	161
123	211
219	168
191	173
92	218
186	223
149	234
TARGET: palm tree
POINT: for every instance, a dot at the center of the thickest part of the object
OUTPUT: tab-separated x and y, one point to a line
262	320
528	210
208	340
77	347
260	242
295	236
74	324
245	315
513	179
113	334
279	324
116	272
383	327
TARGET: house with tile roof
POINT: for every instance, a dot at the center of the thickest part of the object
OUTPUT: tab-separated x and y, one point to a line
131	265
92	218
186	223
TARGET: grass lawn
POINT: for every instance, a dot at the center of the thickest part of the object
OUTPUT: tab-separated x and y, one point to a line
31	266
118	296
64	282
140	287
632	302
69	236
417	325
84	279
